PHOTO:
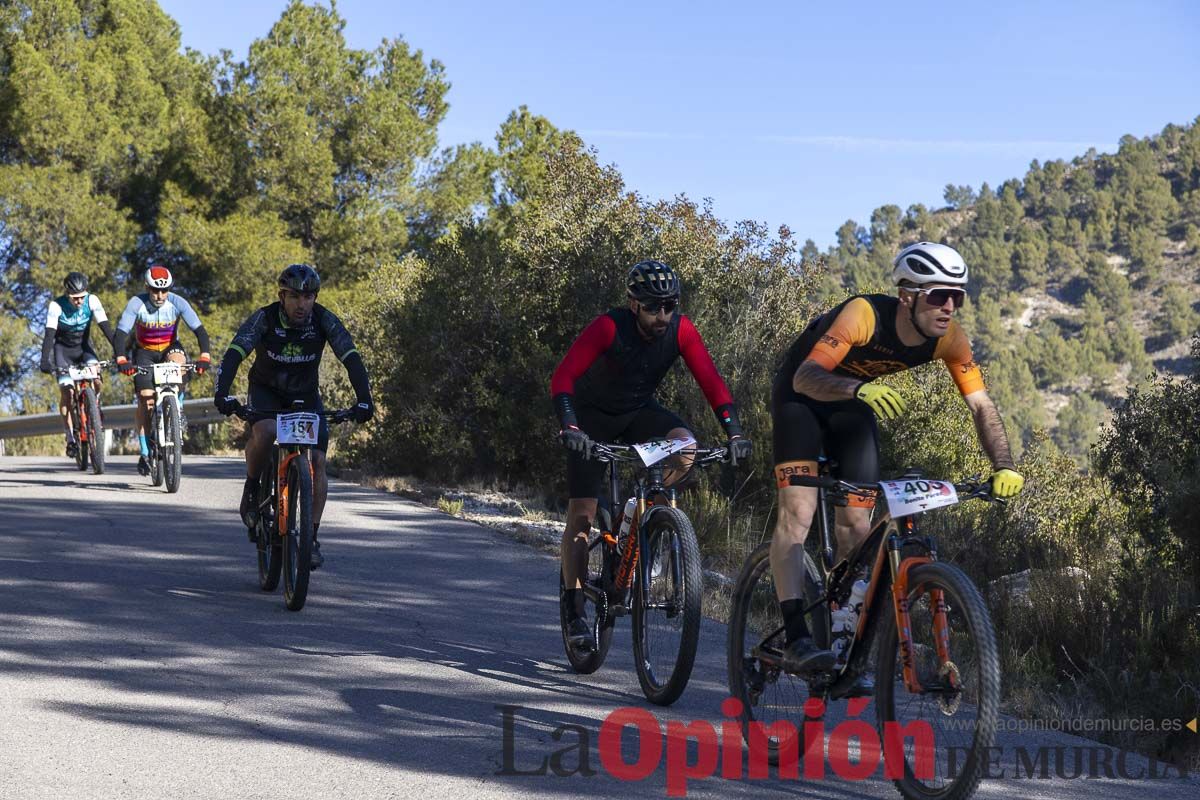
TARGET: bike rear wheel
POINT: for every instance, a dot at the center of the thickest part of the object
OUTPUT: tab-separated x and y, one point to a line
772	700
959	698
297	544
94	429
172	455
599	612
668	593
269	543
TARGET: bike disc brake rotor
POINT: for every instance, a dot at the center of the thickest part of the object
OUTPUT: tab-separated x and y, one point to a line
950	698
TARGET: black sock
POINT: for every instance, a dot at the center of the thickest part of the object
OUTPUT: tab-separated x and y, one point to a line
315	526
573	601
793	620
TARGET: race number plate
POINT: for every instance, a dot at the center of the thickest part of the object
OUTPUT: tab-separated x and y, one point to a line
303	427
167	372
87	372
653	452
913	496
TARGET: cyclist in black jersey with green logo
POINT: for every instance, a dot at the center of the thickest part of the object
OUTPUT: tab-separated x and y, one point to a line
288	338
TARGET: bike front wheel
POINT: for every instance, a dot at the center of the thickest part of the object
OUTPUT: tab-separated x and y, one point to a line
81	451
172	454
94	428
297	543
155	458
955	662
668	592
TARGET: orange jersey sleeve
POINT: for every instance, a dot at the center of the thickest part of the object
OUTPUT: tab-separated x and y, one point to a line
955	351
855	325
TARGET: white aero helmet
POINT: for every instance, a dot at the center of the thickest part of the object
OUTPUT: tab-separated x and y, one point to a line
929	262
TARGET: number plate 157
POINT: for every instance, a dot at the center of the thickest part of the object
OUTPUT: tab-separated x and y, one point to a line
298	428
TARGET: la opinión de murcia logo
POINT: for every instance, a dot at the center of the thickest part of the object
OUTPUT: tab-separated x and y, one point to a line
698	750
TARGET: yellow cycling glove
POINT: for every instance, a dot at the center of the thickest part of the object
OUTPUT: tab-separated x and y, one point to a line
885	401
1007	483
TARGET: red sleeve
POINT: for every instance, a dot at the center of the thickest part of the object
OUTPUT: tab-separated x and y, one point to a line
595	339
696	356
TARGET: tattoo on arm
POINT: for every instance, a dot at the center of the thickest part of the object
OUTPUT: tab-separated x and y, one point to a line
813	380
992	437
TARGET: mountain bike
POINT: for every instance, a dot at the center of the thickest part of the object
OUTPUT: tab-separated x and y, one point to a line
168	423
87	417
646	564
283	534
935	646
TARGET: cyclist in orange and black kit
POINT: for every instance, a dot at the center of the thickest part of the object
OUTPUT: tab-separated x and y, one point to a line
824	403
604	389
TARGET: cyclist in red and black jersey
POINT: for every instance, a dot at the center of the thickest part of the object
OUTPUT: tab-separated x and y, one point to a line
824	402
604	389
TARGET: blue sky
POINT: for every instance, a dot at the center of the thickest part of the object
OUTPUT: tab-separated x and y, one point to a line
798	113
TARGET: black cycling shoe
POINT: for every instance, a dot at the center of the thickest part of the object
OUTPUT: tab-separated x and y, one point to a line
249	506
72	449
579	634
143	466
802	657
862	686
315	559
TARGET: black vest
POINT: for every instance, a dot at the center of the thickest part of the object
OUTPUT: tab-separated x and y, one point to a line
625	377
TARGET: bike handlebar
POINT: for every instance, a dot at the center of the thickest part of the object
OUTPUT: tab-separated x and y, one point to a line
969	489
67	370
251	414
146	369
611	451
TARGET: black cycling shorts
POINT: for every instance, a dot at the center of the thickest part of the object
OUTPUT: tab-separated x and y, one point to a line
146	358
78	355
844	431
71	356
264	398
585	478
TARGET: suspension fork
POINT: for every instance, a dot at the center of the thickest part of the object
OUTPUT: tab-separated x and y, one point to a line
285	458
78	407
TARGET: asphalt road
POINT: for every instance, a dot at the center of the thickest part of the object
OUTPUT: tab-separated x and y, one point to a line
139	659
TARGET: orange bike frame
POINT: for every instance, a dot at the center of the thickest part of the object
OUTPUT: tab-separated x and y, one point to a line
281	494
624	576
80	409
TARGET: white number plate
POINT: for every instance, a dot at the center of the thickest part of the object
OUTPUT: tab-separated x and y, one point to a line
303	427
910	497
653	452
168	372
85	373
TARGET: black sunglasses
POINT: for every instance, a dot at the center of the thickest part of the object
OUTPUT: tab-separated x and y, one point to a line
668	306
938	297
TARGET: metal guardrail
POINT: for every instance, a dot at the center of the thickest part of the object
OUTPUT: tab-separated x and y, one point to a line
198	410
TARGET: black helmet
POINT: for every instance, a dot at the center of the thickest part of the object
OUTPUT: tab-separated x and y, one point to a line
653	280
300	278
76	283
